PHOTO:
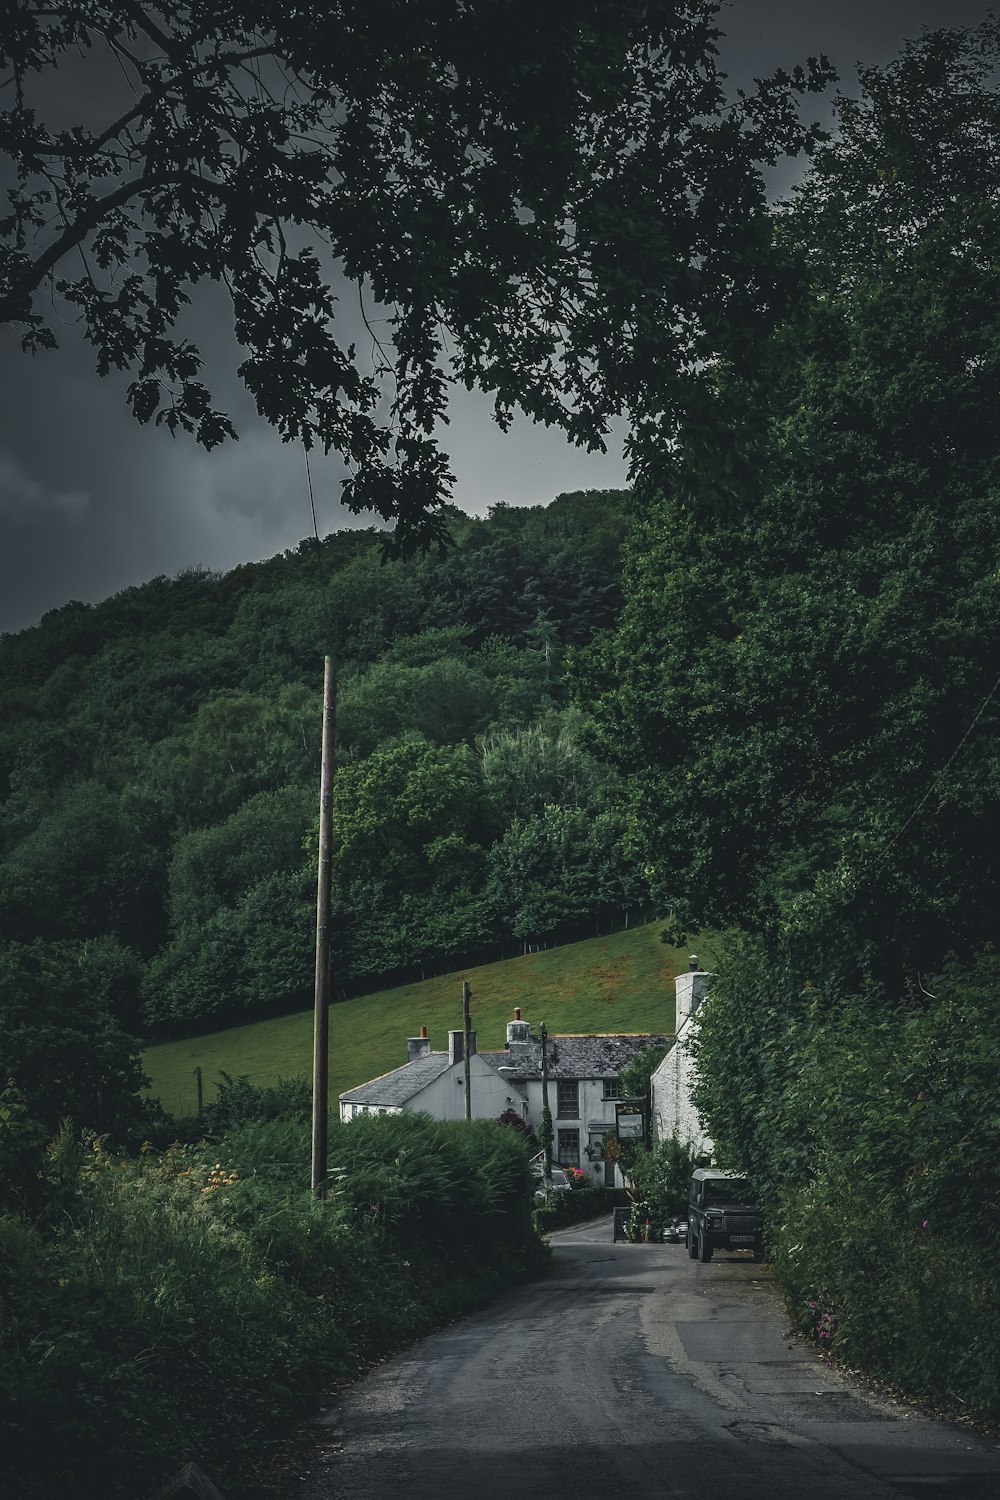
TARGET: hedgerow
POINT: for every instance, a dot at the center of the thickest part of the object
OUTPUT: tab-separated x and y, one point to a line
194	1303
871	1127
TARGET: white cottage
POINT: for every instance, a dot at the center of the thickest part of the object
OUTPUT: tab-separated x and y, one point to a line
433	1083
584	1086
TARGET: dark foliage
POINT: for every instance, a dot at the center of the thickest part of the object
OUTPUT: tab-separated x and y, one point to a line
161	778
555	204
195	1303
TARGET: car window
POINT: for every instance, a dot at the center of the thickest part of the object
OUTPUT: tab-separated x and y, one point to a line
728	1190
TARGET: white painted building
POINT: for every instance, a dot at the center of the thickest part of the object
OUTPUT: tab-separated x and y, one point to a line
670	1086
433	1083
584	1086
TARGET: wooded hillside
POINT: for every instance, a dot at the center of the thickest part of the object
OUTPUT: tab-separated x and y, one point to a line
159	764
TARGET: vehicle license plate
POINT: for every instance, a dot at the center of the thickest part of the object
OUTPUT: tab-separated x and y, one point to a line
742	1238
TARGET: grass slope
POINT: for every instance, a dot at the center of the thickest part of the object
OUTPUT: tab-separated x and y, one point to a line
622	982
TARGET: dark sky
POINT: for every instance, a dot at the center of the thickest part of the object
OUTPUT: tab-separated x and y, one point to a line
90	502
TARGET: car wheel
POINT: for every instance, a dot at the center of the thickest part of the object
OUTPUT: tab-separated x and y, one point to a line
704	1250
692	1248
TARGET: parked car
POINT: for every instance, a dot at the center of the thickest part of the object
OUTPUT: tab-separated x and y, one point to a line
560	1181
722	1214
675	1232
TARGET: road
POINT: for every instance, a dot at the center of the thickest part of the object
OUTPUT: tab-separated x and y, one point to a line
632	1371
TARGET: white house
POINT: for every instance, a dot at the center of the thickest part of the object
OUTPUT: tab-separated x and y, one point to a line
673	1113
432	1082
584	1085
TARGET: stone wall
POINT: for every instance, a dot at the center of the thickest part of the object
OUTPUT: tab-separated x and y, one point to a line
673	1112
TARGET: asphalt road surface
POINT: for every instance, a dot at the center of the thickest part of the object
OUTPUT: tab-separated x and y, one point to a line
633	1372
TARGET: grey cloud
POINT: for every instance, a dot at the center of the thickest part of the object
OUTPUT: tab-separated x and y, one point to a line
24	497
90	502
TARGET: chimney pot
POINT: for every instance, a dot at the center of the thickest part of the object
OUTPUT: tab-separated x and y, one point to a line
423	1031
517	1012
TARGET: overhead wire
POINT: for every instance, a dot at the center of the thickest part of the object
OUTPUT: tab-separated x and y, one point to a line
880	856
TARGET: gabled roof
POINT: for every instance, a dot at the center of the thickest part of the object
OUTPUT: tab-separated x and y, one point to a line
399	1086
572	1056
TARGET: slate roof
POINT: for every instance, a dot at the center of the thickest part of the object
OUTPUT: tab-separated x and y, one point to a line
399	1086
572	1056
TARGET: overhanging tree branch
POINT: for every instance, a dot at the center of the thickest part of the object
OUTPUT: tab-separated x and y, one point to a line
412	141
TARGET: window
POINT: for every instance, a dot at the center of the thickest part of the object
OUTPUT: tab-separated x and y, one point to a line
568	1146
612	1088
568	1099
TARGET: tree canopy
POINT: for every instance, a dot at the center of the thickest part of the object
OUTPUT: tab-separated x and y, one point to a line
555	204
803	686
159	755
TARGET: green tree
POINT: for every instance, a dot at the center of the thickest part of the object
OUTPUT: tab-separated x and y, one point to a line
392	807
533	765
556	205
636	1074
255	955
61	1042
93	868
213	867
794	684
445	700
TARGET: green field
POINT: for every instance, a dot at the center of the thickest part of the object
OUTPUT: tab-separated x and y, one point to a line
616	983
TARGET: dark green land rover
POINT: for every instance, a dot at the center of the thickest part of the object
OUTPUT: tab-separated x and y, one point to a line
722	1214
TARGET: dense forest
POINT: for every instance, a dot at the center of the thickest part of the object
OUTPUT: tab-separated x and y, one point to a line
159	769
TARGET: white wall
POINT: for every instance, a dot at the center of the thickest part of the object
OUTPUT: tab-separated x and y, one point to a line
671	1084
445	1097
594	1109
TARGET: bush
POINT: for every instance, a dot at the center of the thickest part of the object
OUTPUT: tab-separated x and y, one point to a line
872	1128
194	1303
657	1184
559	1210
238	1101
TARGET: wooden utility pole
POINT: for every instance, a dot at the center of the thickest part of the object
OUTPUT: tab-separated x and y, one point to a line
467	1030
321	1013
546	1131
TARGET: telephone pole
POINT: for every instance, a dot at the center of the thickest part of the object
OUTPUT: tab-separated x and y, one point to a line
321	1012
546	1131
467	1028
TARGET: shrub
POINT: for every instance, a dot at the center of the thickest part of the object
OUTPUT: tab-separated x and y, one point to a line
195	1302
871	1124
657	1184
559	1210
238	1101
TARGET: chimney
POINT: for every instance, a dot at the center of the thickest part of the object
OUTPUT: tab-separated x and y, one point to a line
417	1046
690	989
518	1034
456	1046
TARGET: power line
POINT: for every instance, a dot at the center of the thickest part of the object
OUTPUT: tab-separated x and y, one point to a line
901	830
312	503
